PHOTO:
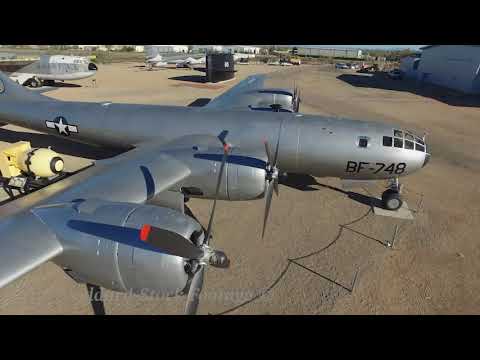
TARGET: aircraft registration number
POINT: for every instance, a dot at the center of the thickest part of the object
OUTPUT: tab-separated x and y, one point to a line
375	168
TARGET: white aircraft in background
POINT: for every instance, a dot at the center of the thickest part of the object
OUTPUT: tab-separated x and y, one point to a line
51	68
155	59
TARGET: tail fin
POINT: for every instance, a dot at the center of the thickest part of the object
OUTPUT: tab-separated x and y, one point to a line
9	90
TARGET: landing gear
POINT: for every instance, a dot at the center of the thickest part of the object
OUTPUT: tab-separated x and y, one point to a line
95	294
35	82
391	198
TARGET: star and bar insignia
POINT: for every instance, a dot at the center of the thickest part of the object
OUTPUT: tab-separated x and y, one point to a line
62	126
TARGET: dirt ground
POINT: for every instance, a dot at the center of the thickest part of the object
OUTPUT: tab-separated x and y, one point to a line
324	252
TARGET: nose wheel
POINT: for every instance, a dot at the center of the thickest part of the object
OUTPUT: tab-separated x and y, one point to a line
391	198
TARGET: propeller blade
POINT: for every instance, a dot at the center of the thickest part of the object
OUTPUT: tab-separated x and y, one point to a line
267	150
193	296
275	185
275	157
226	149
170	242
268	202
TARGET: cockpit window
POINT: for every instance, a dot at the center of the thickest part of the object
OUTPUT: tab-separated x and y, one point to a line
412	142
408	145
387	141
420	141
419	147
409	137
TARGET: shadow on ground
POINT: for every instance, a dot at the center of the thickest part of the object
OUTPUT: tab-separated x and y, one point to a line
380	80
201	79
63	85
59	145
306	182
200	102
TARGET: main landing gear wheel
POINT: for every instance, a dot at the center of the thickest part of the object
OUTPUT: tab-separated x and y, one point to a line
34	83
391	200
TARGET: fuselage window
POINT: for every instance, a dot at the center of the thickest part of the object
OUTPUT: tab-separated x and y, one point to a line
398	143
398	133
408	145
387	141
362	142
409	137
419	147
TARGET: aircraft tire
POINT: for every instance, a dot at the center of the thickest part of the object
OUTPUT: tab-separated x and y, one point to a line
391	200
34	83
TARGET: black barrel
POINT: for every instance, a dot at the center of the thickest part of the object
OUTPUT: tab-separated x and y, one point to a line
220	67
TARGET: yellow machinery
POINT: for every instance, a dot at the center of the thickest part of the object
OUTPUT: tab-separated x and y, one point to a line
19	159
295	61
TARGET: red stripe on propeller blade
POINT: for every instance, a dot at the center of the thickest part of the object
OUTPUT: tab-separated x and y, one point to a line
144	232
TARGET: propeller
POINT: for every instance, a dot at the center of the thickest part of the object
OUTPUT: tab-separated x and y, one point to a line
271	177
217	258
174	244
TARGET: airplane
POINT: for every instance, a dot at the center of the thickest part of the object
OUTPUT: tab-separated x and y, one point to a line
154	59
179	61
122	223
51	68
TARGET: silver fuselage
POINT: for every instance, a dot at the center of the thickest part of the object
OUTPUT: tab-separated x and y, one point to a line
315	145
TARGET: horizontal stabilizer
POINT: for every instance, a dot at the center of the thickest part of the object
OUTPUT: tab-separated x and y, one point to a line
10	90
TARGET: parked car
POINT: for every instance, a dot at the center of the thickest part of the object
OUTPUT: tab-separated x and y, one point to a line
341	66
395	74
354	66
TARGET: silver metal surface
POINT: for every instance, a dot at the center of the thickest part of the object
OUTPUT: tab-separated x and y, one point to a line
177	149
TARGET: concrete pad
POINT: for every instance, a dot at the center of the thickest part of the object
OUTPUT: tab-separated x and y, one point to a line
403	213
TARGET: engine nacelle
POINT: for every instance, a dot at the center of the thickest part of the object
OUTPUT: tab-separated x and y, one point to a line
84	229
243	178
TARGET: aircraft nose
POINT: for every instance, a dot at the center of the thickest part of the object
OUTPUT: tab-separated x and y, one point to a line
427	159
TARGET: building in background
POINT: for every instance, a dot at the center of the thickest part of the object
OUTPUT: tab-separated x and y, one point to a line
330	52
168	49
207	48
452	66
241	49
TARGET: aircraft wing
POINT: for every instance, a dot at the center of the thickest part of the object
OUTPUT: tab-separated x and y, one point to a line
25	244
251	94
234	98
26	241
